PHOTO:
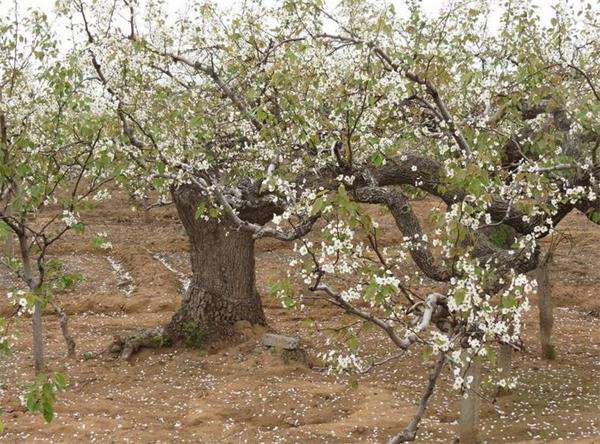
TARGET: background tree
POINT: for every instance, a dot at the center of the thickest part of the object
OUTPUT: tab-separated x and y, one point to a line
502	128
302	112
53	162
219	112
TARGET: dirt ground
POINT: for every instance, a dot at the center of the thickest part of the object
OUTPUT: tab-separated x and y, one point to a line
242	393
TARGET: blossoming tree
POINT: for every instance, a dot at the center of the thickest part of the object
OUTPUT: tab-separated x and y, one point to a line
260	122
501	127
52	162
219	114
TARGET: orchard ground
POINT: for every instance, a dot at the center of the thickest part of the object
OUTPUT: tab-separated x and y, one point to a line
241	392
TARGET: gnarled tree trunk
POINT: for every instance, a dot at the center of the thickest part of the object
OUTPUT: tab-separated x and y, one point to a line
222	291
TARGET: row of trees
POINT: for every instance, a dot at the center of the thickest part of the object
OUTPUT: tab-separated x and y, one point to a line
278	120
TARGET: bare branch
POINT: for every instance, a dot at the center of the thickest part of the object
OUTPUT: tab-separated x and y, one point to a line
410	432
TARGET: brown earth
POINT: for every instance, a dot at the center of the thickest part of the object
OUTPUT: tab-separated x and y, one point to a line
242	393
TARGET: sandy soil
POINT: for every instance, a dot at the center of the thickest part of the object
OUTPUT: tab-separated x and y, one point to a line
236	393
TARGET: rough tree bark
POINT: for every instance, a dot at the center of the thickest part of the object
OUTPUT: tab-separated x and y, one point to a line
223	290
544	291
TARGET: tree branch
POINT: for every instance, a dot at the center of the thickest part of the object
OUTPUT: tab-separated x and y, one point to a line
410	432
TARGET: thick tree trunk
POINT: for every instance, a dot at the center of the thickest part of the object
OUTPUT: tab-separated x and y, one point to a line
38	341
544	291
222	291
470	406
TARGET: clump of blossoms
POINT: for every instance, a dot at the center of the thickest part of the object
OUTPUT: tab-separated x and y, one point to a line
69	219
21	300
372	283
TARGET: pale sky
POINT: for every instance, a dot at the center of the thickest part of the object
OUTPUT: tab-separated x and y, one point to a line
431	6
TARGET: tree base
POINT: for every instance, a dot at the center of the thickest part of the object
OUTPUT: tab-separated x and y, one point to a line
548	352
192	335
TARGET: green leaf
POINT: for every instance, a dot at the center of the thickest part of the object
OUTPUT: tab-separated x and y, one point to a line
459	296
261	114
60	381
500	236
318	205
427	352
378	159
352	342
200	210
41	395
47	412
595	217
214	212
508	302
79	227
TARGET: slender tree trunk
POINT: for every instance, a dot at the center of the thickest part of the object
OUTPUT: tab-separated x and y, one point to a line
470	406
504	364
545	307
223	290
410	432
38	340
33	283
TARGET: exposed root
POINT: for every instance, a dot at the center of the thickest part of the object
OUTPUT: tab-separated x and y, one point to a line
63	320
125	347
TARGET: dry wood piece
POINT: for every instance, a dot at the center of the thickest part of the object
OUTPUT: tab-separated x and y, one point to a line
280	341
